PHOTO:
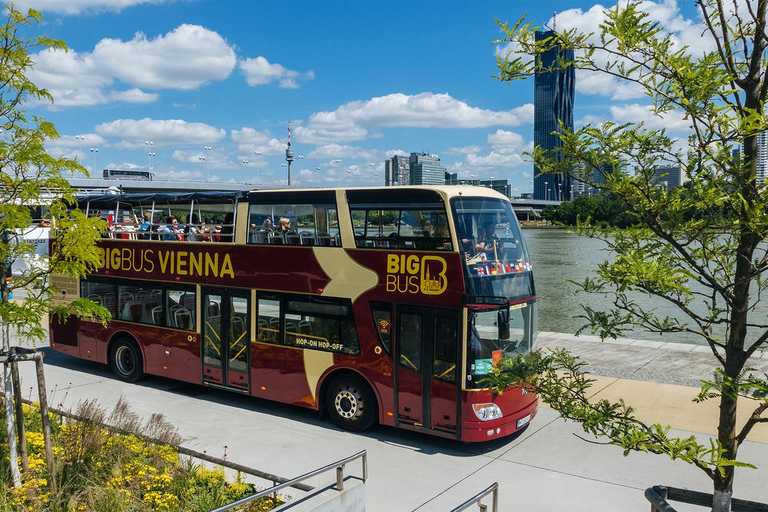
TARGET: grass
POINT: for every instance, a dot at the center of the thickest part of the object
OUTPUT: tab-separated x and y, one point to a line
99	469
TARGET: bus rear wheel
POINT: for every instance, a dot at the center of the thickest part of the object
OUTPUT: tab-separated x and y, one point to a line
126	361
351	403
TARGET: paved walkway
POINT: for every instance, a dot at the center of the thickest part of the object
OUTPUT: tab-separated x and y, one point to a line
546	467
660	380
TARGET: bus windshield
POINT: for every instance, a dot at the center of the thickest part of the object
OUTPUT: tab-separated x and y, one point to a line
496	263
487	342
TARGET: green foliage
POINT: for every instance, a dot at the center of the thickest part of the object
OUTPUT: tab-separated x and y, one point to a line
601	210
28	175
98	469
699	247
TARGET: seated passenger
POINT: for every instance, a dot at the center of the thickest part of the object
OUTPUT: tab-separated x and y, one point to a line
193	231
285	226
427	229
171	229
488	241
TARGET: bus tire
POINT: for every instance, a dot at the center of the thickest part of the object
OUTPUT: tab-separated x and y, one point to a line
351	404
126	361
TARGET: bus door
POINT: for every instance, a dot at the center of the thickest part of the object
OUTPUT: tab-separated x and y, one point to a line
226	337
427	374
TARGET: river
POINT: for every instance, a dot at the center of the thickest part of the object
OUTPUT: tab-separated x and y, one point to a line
557	257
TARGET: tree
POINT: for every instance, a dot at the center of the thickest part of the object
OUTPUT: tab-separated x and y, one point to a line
30	177
710	267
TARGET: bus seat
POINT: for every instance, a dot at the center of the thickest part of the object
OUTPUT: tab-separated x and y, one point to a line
95	297
183	319
109	302
213	308
307	238
292	327
238	328
324	239
142	295
292	239
148	308
305	327
124	297
132	311
187	301
276	239
157	315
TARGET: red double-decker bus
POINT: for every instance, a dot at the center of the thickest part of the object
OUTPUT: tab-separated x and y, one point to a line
383	305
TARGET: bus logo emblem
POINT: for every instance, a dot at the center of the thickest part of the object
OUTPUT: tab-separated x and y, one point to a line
416	274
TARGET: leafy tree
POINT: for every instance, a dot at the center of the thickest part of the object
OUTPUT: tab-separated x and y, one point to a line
699	247
30	177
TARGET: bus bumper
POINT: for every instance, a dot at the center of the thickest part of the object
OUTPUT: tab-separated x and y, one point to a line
478	431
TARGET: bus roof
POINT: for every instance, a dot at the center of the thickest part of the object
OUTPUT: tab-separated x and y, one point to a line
448	191
140	198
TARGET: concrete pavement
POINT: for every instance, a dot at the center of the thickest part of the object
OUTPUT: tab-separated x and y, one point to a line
544	468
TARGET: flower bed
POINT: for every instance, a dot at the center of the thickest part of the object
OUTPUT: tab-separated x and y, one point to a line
97	469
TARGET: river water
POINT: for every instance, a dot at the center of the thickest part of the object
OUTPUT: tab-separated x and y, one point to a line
557	257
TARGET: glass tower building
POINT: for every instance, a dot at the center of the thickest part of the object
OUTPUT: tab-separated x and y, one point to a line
553	104
426	169
397	171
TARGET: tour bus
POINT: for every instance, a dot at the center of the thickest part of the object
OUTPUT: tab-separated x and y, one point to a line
371	305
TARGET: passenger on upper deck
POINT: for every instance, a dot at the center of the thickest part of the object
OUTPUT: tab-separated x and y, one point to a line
171	229
285	226
193	231
487	240
427	229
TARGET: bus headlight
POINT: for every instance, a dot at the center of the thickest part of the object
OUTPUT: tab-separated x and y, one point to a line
487	412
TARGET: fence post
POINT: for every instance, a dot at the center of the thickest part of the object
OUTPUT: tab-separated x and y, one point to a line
340	478
19	415
45	422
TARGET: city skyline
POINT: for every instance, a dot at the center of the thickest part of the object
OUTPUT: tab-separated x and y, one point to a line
205	90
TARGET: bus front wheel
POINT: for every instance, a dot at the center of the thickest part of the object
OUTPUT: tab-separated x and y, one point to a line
351	403
125	358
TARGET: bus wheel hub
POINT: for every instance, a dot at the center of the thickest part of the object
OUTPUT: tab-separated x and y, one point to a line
347	404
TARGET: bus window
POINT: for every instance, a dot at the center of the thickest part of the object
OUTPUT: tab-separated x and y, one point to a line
382	320
410	341
321	323
312	217
100	291
401	225
446	334
180	308
268	311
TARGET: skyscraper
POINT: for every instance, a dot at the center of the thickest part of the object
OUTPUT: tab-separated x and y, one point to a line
397	171
668	176
426	169
553	104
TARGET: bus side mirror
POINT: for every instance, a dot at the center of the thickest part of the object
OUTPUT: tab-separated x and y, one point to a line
503	324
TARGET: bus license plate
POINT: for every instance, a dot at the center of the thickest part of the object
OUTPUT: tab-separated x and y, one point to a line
523	421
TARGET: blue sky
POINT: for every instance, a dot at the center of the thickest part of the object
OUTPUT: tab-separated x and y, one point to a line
359	81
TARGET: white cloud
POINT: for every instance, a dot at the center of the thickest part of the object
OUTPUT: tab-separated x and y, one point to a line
339	151
179	175
425	110
134	132
494	159
249	140
635	113
462	150
72	7
392	152
260	71
183	59
506	142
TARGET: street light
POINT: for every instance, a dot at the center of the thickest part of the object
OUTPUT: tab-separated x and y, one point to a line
94	151
258	161
201	159
546	186
151	154
207	163
371	165
338	174
80	139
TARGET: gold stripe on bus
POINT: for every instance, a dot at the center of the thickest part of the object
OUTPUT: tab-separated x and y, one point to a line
316	362
347	277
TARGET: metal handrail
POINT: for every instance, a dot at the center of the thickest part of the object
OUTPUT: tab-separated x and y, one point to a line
338	466
494	488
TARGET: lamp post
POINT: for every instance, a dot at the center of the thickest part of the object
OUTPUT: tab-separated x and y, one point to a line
207	162
349	173
258	161
201	159
151	154
546	186
94	151
80	139
371	165
338	174
301	166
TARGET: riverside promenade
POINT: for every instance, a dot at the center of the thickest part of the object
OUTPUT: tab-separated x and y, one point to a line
549	466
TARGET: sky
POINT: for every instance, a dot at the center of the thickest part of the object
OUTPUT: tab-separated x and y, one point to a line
205	89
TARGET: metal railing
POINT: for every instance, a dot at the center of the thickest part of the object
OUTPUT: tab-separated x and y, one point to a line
338	466
659	495
493	489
